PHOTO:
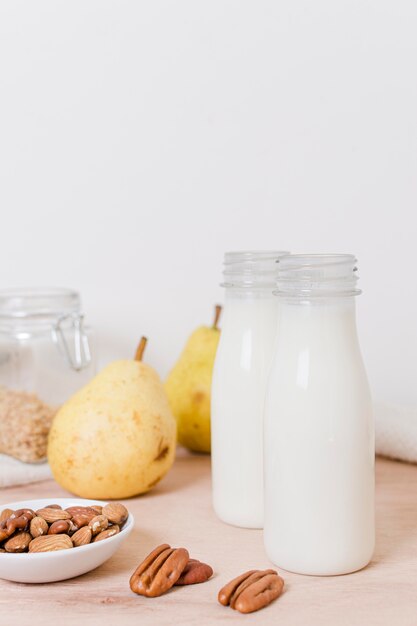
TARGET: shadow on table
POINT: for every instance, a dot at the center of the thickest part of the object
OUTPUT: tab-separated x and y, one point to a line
188	469
396	509
126	559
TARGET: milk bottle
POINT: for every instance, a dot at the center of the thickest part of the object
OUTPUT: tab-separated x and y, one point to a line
238	389
319	432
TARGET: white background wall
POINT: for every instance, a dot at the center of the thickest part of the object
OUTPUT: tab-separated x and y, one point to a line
140	140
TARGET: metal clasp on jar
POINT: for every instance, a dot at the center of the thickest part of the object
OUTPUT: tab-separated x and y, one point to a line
78	357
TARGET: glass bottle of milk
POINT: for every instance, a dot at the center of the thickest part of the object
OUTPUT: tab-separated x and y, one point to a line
319	431
238	389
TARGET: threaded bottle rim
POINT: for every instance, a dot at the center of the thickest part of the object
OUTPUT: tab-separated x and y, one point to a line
247	269
317	275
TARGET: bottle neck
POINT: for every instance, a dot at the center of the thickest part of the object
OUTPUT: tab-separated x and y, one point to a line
314	278
248	293
251	271
331	305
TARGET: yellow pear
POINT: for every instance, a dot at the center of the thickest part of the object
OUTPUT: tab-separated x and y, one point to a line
116	437
189	385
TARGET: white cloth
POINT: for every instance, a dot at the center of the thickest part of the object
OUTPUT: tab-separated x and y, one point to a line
396	432
13	472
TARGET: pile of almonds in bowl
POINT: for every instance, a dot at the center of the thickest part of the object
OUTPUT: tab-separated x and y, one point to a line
53	528
50	556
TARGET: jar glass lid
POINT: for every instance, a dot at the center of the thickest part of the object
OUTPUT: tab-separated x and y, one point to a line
39	302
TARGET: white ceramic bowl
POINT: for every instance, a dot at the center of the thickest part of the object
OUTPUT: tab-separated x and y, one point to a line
48	567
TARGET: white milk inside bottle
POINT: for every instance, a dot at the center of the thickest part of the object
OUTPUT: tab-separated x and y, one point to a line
319	431
238	389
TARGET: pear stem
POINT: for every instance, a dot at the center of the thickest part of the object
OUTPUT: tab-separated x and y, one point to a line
141	349
217	313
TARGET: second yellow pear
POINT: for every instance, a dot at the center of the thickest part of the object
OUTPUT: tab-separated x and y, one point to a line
188	387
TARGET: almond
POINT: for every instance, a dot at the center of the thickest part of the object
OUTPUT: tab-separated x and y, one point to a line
60	526
38	527
116	512
82	537
18	543
53	515
110	532
50	543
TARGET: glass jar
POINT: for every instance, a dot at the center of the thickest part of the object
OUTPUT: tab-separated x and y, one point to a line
46	355
239	378
319	431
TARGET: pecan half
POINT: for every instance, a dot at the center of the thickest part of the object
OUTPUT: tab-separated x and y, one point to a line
81	515
159	571
252	590
195	572
98	524
19	520
88	510
28	512
5	514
